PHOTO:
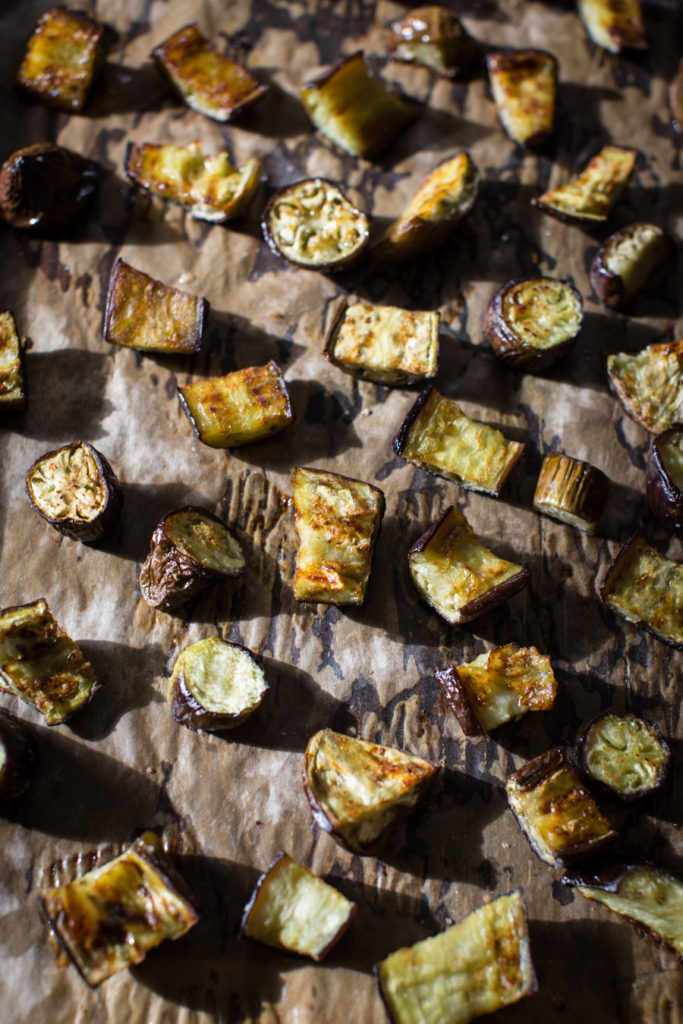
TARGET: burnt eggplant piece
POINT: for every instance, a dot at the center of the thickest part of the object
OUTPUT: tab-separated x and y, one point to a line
473	968
190	549
293	909
614	25
649	384
63	58
111	917
205	79
434	37
44	187
589	197
215	685
18	757
556	812
532	322
75	490
676	99
353	109
623	264
523	85
624	756
41	664
12	386
359	791
571	491
338	521
664	478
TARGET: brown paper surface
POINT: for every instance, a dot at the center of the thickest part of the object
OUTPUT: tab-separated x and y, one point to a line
228	804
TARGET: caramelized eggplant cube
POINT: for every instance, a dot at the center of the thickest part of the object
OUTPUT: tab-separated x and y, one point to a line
190	549
623	264
12	391
215	685
473	968
523	84
533	322
111	917
41	664
649	384
676	99
624	755
353	109
18	757
205	79
589	197
313	225
293	909
456	575
614	26
337	520
384	344
664	478
434	37
359	791
571	491
556	812
44	187
63	58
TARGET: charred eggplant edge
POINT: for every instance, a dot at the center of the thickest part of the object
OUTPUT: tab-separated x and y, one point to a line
456	697
604	788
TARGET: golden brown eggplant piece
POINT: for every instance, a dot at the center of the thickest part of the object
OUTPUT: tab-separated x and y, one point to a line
293	909
624	756
649	384
353	109
44	187
676	99
473	968
556	812
456	575
614	24
532	322
205	79
63	58
664	478
623	264
215	685
41	664
571	491
337	520
434	37
359	791
18	757
12	389
589	197
111	917
523	84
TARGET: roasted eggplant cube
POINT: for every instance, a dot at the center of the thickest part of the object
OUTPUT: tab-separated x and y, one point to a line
353	109
624	755
313	225
41	664
293	909
523	84
614	26
571	491
434	37
63	58
241	407
590	197
205	79
111	917
676	99
442	200
190	549
18	757
649	384
75	490
473	968
384	344
215	685
497	687
664	478
437	436
533	322
337	520
359	791
624	262
44	187
12	391
556	812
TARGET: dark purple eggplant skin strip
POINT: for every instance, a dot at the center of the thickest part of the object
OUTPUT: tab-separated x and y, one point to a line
664	498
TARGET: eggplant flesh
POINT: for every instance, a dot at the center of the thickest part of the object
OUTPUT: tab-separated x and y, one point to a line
44	187
18	757
664	478
434	37
384	344
215	685
614	25
623	264
63	57
649	384
523	85
590	196
625	755
532	322
571	491
12	393
646	588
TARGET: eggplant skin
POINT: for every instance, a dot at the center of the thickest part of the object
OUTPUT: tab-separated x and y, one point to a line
18	757
549	314
663	486
571	491
624	756
12	377
63	58
44	187
523	83
216	665
434	37
623	263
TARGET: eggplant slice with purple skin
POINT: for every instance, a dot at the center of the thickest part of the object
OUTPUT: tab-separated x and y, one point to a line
649	384
434	37
588	198
664	478
614	25
532	322
45	187
571	491
18	757
624	756
523	85
12	382
623	264
215	685
63	58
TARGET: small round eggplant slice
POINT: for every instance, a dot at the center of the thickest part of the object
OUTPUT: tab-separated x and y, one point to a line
625	756
664	478
215	685
44	187
625	261
532	322
18	757
75	490
312	224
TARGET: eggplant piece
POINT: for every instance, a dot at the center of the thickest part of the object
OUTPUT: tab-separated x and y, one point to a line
242	407
532	322
111	917
438	437
571	491
649	384
360	791
624	756
614	25
12	389
456	575
497	687
623	264
338	521
41	664
472	968
44	187
75	490
354	110
293	909
523	85
205	79
313	225
434	37
676	99
589	197
664	478
384	344
555	811
18	757
446	195
215	685
209	187
63	58
646	588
